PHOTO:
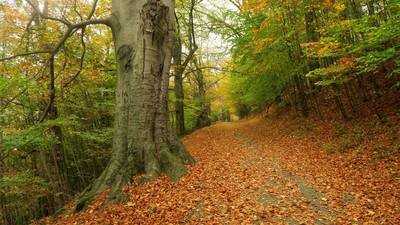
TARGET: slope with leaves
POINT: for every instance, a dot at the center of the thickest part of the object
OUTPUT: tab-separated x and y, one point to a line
287	47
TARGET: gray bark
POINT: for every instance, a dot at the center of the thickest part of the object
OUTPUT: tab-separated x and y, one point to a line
302	94
180	68
203	118
143	142
178	88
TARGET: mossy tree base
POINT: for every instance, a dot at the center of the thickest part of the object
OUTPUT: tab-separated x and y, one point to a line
170	160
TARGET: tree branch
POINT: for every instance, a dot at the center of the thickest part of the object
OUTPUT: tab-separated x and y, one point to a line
52	91
236	4
76	10
81	59
37	11
71	29
192	39
222	22
25	54
94	6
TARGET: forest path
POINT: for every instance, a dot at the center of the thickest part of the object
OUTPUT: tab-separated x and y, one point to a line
258	172
250	185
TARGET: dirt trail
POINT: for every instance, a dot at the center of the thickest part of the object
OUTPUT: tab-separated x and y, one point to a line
262	191
280	184
248	172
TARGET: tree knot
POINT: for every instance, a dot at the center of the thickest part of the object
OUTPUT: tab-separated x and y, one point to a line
125	55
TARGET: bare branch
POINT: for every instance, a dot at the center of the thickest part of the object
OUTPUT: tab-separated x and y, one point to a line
81	59
76	10
192	39
26	54
94	6
73	28
192	36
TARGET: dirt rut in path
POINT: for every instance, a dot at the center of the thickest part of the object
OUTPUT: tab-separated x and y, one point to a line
279	184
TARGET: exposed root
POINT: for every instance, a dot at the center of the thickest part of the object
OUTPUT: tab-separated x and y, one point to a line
180	151
170	159
113	178
172	165
151	165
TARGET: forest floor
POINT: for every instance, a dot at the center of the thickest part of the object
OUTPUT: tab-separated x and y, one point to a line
268	171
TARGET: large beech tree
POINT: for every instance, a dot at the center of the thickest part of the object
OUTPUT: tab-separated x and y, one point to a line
143	33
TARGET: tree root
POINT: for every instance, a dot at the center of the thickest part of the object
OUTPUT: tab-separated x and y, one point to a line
169	159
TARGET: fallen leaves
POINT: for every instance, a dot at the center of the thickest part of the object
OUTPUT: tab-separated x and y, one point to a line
243	162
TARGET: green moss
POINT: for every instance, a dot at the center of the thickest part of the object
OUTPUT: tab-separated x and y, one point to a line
172	165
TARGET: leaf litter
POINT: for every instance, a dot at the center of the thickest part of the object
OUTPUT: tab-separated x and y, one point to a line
256	171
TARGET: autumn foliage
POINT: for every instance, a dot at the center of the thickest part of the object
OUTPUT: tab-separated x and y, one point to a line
303	98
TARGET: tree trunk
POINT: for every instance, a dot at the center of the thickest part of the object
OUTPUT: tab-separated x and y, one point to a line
179	105
310	22
349	98
302	95
180	68
58	161
339	102
143	34
315	92
203	118
178	88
